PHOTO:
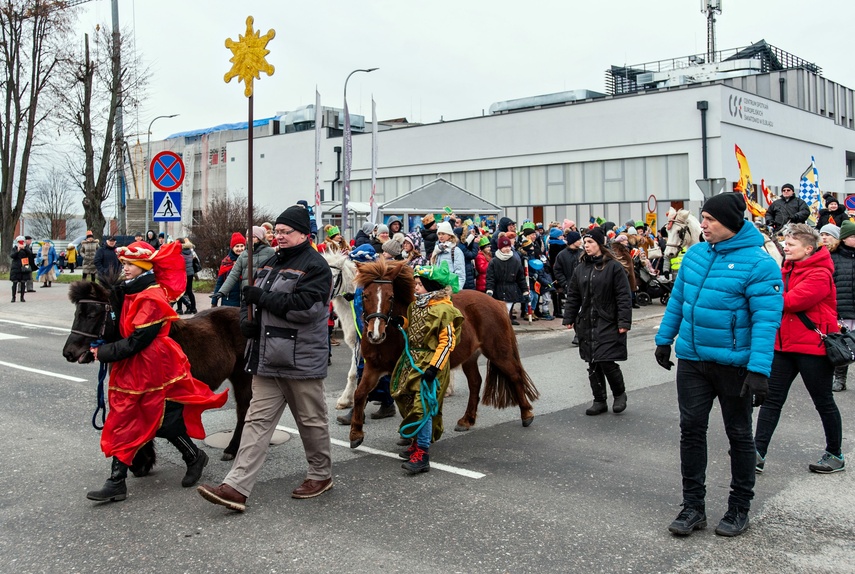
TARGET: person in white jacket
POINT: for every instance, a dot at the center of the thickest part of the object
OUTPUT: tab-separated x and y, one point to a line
446	249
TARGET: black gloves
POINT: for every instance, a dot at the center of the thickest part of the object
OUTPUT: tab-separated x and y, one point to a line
215	299
250	329
757	385
347	296
396	321
252	295
430	374
663	356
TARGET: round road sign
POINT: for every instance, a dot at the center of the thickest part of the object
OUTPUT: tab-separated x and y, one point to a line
650	199
166	171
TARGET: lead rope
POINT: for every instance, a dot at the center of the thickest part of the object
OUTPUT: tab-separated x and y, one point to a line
102	404
430	403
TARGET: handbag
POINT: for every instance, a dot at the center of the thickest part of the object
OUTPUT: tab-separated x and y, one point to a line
654	252
839	347
197	266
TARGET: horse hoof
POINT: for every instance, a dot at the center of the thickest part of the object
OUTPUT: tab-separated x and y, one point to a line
461	428
356	443
341	406
227	456
528	421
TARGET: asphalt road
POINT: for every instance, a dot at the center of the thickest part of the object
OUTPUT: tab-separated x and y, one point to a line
571	493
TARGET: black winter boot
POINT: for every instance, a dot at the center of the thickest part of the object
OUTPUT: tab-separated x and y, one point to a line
114	489
840	374
419	461
195	459
598	388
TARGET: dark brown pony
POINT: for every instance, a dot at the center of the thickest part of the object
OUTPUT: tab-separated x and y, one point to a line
211	340
388	289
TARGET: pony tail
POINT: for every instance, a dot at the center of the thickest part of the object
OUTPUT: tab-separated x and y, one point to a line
499	388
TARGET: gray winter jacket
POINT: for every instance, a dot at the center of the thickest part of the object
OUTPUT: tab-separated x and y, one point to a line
263	252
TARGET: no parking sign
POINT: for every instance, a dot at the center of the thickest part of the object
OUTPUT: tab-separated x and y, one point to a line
166	171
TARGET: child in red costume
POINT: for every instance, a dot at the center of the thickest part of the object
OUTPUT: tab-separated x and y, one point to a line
152	392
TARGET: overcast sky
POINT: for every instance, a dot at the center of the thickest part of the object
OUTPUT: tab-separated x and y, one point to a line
443	58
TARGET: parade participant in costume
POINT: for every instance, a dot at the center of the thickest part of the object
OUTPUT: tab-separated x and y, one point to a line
421	376
237	245
71	257
46	261
152	392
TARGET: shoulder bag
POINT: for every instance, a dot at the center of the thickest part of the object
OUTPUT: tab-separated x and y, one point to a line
839	347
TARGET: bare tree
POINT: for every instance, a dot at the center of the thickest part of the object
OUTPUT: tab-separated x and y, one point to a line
94	89
212	233
51	206
33	36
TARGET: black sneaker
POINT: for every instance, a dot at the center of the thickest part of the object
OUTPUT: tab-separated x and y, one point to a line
689	520
734	522
759	464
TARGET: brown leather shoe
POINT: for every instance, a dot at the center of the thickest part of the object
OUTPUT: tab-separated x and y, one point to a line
224	495
312	488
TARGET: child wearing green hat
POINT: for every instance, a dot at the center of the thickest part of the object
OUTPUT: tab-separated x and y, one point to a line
421	376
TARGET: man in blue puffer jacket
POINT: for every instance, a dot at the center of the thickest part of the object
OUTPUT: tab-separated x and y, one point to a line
726	308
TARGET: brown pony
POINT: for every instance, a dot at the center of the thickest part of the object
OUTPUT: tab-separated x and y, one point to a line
211	340
388	289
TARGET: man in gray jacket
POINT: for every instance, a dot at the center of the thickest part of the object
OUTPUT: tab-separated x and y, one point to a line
287	354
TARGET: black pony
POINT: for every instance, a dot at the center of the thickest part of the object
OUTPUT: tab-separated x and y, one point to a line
211	340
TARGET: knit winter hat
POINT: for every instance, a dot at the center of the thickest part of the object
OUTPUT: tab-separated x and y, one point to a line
392	247
572	237
258	232
237	239
787	185
829	199
597	235
568	223
503	241
445	227
554	233
831	230
727	208
382	228
847	229
363	254
296	217
368	228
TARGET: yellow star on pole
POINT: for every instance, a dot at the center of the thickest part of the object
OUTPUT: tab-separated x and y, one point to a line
248	56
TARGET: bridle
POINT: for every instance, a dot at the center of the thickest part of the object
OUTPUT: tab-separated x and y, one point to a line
681	236
108	312
384	316
336	287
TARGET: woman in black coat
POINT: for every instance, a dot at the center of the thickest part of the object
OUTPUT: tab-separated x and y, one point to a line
833	213
599	307
21	269
505	276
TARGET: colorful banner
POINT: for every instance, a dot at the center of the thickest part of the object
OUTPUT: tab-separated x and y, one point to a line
318	120
373	201
746	186
348	158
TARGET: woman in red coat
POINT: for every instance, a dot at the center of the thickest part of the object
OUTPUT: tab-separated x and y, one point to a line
809	291
151	392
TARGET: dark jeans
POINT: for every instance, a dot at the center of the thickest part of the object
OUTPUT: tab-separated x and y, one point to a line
817	373
699	383
189	298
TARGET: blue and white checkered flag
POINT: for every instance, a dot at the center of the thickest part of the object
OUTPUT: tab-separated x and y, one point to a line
809	187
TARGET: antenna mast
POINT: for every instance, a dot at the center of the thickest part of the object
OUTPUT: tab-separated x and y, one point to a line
711	8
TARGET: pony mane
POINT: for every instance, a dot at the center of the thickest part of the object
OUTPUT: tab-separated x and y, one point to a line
80	290
343	262
400	274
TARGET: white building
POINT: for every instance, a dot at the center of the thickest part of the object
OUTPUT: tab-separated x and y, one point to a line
592	155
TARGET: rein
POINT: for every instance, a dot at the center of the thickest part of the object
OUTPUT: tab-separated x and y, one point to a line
430	402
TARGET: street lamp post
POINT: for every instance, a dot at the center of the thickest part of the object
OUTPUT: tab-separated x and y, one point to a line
148	169
348	152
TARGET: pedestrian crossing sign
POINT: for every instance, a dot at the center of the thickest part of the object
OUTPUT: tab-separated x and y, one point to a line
168	206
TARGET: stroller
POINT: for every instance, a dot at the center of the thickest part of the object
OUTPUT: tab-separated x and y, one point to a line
650	286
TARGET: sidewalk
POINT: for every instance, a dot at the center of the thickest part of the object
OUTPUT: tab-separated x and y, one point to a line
653	311
49	306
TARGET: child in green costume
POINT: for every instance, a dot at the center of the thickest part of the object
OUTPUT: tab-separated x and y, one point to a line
421	376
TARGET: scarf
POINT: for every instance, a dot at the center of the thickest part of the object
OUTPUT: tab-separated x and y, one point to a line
503	256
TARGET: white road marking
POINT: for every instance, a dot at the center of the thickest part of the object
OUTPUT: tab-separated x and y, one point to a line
63	329
48	373
8	337
369	450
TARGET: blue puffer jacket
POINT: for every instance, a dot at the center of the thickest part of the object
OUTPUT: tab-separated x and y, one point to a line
726	304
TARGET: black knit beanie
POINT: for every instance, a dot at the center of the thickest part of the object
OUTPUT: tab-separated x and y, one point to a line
728	208
597	235
297	218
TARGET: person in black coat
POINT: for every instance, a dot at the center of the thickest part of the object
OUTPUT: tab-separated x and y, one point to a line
21	269
469	246
833	213
428	232
599	307
106	261
564	265
843	258
505	276
788	209
364	235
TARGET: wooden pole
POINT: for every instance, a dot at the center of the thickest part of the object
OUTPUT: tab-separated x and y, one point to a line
249	205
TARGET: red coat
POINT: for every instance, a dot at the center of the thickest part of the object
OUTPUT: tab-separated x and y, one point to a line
481	264
809	287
